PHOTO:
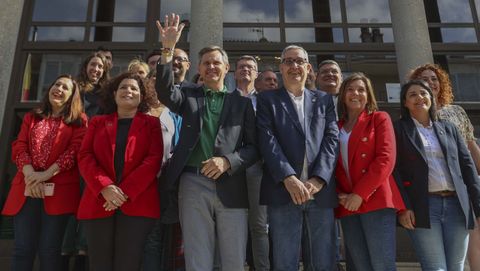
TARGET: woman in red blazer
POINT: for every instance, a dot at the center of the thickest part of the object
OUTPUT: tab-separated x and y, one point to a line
119	160
46	190
368	195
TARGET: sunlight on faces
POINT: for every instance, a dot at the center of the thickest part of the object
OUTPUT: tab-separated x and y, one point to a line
267	80
95	69
417	100
60	92
212	68
180	63
430	77
329	77
139	70
246	70
128	95
292	72
356	96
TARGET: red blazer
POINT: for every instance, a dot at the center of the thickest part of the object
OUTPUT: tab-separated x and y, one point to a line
143	158
67	183
371	161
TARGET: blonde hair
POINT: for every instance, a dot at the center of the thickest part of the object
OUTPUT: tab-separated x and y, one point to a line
137	62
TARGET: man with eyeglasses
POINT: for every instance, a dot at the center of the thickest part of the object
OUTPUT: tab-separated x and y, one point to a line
245	76
298	139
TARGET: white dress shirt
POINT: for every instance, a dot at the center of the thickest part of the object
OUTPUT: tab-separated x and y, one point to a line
439	178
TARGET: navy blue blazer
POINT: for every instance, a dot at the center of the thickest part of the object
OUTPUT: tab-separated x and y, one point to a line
412	170
235	140
283	143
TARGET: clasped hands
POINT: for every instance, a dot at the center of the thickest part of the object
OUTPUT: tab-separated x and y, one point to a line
300	191
214	167
114	197
350	201
34	181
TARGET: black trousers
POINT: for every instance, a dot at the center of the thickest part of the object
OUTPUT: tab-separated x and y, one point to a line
117	243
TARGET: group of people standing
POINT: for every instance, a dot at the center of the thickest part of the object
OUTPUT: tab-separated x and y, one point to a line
282	163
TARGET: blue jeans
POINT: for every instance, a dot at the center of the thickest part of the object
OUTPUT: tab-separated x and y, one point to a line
370	239
307	226
35	231
444	245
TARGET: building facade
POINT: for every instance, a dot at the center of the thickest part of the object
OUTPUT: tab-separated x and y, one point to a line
382	38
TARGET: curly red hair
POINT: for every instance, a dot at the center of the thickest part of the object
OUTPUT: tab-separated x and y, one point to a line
445	93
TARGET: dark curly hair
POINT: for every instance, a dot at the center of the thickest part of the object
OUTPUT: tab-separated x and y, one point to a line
71	112
107	93
445	93
82	78
404	112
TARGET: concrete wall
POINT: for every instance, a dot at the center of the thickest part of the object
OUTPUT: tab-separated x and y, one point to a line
10	16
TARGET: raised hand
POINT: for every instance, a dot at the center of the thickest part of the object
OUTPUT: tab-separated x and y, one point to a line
171	31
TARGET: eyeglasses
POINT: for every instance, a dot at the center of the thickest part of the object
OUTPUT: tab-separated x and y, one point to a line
246	66
298	61
180	59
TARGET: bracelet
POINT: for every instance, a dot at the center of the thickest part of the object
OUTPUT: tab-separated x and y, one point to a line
167	51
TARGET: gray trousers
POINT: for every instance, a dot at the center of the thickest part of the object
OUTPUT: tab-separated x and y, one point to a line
204	219
257	219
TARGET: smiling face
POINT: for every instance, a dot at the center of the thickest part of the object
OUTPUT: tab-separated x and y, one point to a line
246	71
431	78
180	65
60	92
95	69
213	69
295	67
329	78
127	95
356	96
417	100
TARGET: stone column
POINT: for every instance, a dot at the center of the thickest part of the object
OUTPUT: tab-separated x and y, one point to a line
206	28
410	31
10	15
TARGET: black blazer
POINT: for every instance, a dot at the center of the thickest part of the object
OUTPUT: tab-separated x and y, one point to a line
284	145
236	136
412	170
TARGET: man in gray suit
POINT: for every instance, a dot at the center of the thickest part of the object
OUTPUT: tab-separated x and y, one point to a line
216	145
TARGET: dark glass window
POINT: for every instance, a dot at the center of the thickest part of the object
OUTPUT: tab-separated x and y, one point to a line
252	11
370	34
251	34
464	71
299	11
181	7
368	11
41	69
128	34
56	33
60	10
120	11
300	34
457	11
453	34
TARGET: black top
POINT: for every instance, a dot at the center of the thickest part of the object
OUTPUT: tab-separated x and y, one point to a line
120	146
91	102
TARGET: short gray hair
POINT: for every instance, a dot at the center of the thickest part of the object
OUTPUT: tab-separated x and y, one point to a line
292	47
212	48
